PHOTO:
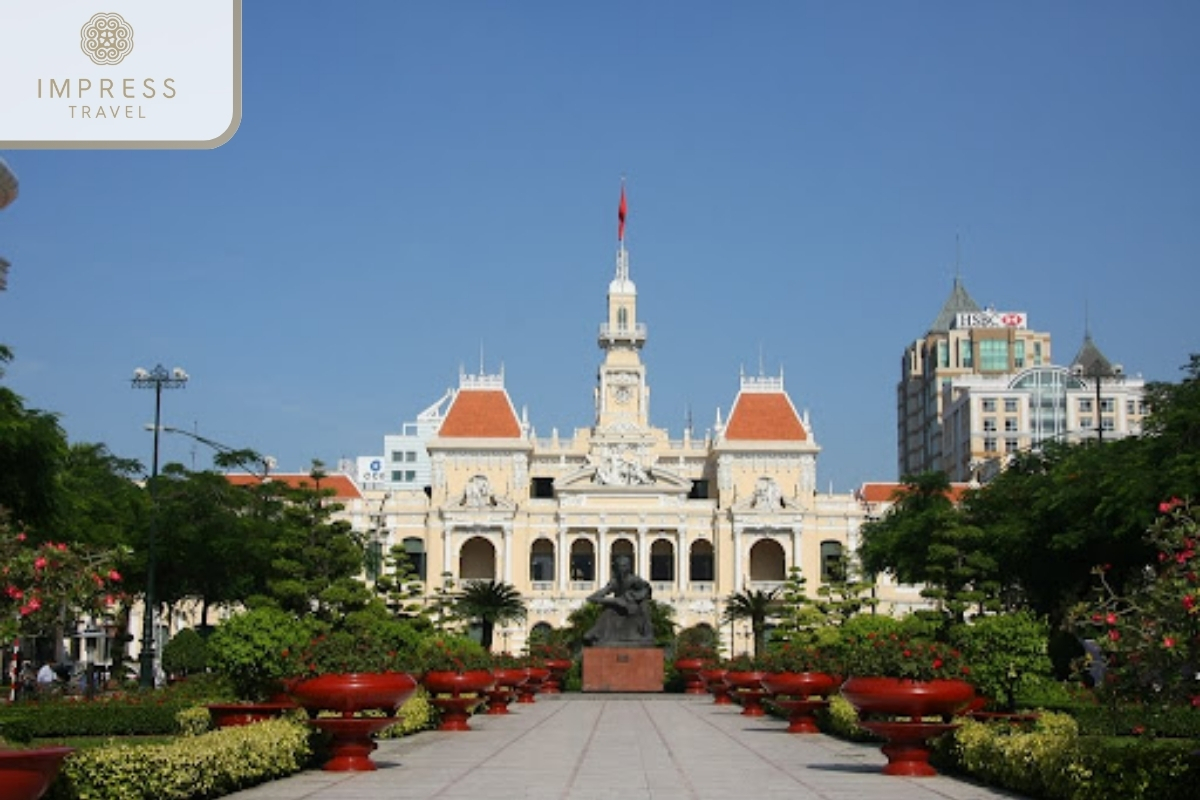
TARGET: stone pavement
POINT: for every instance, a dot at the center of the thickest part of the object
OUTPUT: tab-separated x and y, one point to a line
620	747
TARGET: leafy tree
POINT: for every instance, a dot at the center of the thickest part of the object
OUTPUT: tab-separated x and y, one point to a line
32	449
316	559
489	603
925	539
757	606
400	587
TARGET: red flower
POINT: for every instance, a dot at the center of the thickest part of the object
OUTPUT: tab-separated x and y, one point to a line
937	663
40	562
20	537
1189	603
113	575
1114	634
1168	642
1111	619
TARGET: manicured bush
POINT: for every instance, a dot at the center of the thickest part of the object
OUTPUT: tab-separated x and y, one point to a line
416	714
185	654
191	768
841	720
1006	652
1052	761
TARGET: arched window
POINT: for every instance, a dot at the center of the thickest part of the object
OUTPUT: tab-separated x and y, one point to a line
701	562
477	560
622	547
541	561
583	561
767	562
662	561
832	568
414	548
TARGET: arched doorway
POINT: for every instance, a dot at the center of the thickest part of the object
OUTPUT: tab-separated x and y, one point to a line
477	560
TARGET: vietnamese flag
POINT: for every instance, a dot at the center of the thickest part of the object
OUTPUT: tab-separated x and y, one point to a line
621	209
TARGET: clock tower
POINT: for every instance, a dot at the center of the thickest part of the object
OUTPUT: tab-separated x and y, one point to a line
622	397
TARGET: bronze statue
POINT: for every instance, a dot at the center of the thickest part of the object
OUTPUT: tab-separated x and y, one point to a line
625	618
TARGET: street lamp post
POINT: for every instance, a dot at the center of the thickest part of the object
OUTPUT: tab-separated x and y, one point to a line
157	379
244	458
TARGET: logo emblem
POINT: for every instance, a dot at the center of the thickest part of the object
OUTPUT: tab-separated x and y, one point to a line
106	38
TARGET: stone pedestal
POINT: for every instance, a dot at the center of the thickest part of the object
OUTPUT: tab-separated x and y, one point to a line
622	669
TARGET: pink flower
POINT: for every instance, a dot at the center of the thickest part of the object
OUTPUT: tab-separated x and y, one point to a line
113	575
1114	634
1168	642
62	547
14	592
40	562
1111	619
1189	603
21	537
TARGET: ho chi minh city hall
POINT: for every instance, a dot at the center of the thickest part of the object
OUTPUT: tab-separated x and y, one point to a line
471	493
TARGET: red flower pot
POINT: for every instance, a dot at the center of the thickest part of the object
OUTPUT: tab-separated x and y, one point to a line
907	698
690	669
558	674
446	694
354	691
880	700
232	715
749	690
715	680
505	689
800	695
27	774
535	677
351	744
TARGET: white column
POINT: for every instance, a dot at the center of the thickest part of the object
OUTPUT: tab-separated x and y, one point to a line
563	558
446	540
643	553
507	534
737	557
796	547
602	554
680	546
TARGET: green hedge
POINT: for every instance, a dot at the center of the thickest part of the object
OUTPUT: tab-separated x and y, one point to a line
1051	760
191	768
134	715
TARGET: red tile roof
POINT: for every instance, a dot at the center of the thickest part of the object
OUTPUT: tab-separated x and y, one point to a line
765	416
481	414
342	486
889	492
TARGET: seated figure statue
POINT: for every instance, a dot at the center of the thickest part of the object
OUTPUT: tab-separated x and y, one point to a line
625	618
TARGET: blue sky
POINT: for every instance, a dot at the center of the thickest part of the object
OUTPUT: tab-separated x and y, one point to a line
411	181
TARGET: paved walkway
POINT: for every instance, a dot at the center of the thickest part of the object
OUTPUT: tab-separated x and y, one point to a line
620	747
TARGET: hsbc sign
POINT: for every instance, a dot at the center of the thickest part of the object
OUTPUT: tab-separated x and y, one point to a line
990	319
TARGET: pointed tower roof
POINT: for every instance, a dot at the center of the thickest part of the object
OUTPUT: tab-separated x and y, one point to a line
1089	361
959	302
481	409
764	412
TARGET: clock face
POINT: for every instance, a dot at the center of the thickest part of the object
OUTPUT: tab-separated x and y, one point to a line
623	395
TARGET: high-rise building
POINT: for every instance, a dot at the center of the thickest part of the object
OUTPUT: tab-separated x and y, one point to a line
981	386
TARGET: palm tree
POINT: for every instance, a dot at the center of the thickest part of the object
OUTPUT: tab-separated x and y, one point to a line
755	606
489	603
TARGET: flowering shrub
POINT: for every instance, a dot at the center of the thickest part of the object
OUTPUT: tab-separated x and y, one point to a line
894	655
796	657
451	654
548	650
39	580
695	650
1149	635
257	650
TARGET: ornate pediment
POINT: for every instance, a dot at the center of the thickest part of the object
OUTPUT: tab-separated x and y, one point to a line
622	469
767	499
478	495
